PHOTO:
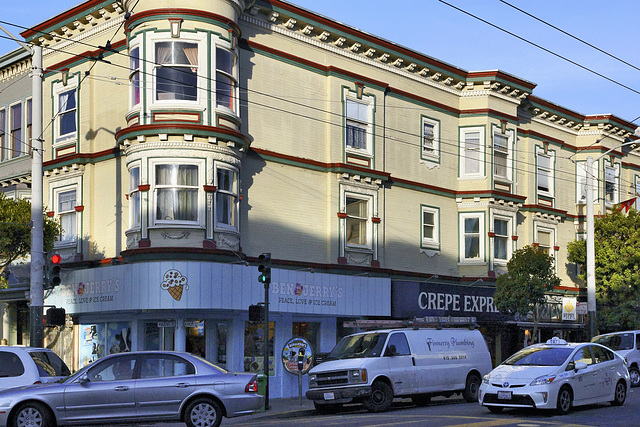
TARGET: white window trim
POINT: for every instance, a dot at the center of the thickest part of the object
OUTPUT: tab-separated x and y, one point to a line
433	243
435	155
60	186
552	162
481	153
200	223
509	134
201	82
581	175
222	226
461	241
368	100
552	230
504	216
58	88
616	183
222	44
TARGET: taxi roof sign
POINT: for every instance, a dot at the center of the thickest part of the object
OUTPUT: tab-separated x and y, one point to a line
556	341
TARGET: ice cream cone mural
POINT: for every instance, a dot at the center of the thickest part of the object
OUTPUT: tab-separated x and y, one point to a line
174	282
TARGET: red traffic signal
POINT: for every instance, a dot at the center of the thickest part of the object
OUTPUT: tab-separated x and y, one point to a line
56	259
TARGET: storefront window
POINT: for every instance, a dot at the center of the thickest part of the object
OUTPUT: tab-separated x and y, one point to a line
100	339
310	331
159	335
253	345
196	339
221	347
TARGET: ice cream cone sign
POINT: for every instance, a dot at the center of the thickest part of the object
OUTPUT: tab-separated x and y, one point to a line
175	283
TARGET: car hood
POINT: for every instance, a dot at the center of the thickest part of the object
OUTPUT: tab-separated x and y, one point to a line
511	373
338	365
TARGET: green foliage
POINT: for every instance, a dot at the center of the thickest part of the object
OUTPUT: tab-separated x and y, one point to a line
15	232
617	256
530	275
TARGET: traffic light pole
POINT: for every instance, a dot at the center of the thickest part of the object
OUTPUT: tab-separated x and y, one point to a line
266	344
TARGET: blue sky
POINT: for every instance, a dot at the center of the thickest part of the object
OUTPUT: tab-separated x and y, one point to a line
438	30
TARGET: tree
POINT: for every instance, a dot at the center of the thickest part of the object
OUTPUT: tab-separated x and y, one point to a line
617	256
15	232
530	275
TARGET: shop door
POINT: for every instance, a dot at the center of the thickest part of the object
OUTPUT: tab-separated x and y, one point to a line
160	335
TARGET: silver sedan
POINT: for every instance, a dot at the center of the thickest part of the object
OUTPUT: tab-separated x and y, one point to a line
149	386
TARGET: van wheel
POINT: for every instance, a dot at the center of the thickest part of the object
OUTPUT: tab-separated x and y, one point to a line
327	408
620	394
471	388
381	397
634	373
565	400
421	399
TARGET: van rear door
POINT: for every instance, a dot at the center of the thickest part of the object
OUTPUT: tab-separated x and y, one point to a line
402	367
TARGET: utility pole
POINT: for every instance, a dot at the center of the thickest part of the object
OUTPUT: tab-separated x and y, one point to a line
37	221
591	257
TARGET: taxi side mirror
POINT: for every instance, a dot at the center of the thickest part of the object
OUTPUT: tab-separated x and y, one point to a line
580	365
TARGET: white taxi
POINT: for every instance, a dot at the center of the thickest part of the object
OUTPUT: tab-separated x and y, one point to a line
556	375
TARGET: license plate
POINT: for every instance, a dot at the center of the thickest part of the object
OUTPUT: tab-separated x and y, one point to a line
329	396
504	395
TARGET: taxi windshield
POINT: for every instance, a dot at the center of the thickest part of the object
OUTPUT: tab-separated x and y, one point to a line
616	342
361	345
540	356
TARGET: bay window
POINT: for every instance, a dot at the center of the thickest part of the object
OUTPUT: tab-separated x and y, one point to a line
134	76
611	184
501	239
471	152
176	192
471	237
225	80
66	204
227	198
134	196
176	71
357	221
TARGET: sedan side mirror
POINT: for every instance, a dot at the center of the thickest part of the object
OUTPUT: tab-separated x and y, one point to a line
580	365
84	378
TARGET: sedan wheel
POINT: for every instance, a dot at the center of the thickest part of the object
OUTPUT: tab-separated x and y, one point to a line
634	373
32	415
620	394
203	413
564	401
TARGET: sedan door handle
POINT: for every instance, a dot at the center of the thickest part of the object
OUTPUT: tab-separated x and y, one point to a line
183	385
122	388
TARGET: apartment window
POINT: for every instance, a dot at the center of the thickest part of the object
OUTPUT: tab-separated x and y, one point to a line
225	78
472	242
430	138
176	71
430	226
610	185
357	221
176	192
16	130
29	124
134	77
544	174
134	196
501	239
67	112
500	156
472	152
545	242
3	136
227	198
66	203
358	120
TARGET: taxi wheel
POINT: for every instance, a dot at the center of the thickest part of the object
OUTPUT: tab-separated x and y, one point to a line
620	394
32	414
381	397
565	400
471	389
634	373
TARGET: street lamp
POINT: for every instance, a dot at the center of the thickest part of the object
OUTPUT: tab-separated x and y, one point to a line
591	250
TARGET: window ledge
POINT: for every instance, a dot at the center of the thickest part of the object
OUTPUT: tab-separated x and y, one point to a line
359	151
468	263
430	252
65	244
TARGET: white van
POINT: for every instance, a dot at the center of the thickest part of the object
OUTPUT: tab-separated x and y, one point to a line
627	345
374	367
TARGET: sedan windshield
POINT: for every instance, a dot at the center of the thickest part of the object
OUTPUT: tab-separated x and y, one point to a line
362	345
616	342
539	356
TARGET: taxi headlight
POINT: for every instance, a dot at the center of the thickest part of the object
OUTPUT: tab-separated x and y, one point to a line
485	379
546	379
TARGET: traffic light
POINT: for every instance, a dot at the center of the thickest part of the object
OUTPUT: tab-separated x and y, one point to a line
52	271
56	316
264	268
256	313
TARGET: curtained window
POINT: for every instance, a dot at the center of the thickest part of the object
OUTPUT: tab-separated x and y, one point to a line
176	71
134	196
67	215
134	77
225	80
67	112
176	191
226	198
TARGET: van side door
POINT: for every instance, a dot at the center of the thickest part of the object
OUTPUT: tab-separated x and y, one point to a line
402	369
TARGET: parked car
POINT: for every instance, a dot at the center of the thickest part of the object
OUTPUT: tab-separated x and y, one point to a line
21	366
374	367
148	386
627	345
556	375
